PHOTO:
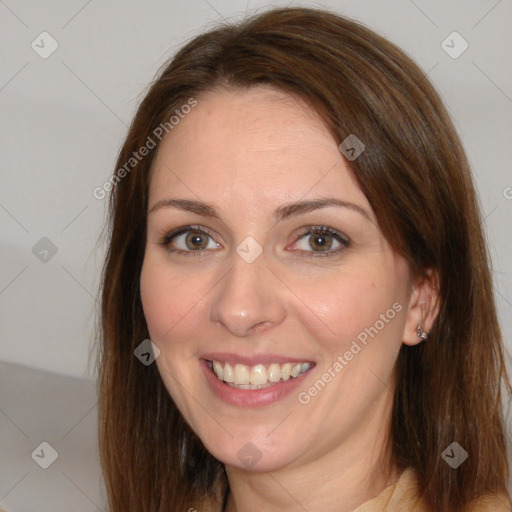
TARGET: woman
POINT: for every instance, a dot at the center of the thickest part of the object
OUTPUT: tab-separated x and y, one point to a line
294	227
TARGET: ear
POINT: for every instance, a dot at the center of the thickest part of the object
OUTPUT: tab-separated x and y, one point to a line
423	309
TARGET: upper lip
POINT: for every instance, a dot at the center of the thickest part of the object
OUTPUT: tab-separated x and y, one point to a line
252	360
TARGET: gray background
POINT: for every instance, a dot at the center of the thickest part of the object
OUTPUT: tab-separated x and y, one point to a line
63	121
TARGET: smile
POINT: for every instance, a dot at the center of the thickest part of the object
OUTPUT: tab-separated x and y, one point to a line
258	376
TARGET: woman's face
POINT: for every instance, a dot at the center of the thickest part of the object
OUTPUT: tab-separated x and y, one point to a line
279	280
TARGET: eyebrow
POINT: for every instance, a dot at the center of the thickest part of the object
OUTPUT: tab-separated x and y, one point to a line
282	212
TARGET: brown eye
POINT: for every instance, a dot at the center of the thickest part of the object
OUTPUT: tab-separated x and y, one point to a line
196	240
320	242
188	240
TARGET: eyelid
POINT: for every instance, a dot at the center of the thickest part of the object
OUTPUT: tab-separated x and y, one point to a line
167	236
324	229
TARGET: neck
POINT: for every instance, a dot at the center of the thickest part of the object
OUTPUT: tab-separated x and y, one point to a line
340	480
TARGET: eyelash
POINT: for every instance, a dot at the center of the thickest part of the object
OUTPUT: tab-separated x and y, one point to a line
342	239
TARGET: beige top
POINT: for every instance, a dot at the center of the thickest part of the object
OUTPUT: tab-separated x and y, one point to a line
402	496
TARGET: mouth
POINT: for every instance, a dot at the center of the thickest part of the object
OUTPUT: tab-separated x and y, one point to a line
258	376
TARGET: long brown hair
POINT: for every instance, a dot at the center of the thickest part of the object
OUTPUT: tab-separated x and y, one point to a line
417	179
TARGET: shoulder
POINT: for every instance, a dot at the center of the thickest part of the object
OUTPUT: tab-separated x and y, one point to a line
491	503
403	497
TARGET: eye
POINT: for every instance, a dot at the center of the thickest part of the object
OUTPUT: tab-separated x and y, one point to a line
193	240
188	240
322	241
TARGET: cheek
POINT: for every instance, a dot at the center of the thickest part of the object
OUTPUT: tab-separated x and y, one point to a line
165	306
153	298
168	297
359	306
162	298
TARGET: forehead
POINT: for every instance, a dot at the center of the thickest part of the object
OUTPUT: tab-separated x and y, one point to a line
251	142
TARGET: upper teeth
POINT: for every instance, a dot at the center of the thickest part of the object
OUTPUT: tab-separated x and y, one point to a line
258	375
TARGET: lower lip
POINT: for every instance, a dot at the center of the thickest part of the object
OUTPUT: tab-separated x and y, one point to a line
250	397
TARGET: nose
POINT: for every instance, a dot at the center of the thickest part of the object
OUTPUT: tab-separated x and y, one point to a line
249	299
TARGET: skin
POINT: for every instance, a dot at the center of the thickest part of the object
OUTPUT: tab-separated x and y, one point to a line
249	152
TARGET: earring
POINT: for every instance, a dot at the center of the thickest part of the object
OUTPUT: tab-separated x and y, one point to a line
422	335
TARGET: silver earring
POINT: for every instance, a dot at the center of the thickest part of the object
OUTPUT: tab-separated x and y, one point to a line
422	335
